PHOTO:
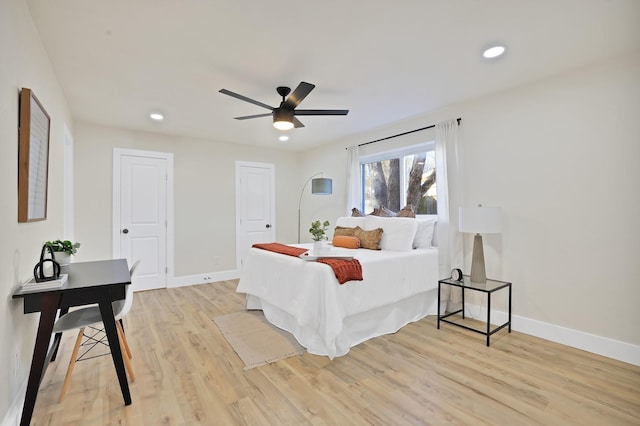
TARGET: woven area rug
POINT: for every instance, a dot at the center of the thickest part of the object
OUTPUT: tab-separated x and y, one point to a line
255	340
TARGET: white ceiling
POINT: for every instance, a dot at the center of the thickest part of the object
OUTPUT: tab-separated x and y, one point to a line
385	61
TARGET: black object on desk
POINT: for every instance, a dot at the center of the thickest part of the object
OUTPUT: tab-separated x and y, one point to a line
490	287
100	282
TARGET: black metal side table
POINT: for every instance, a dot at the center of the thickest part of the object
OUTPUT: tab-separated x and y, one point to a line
490	287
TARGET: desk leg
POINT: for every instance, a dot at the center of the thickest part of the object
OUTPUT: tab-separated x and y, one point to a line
106	311
58	336
45	327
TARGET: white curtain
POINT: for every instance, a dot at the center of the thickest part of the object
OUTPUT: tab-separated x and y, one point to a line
448	184
354	186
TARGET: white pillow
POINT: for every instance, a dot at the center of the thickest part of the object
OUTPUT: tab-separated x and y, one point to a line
398	232
350	221
424	233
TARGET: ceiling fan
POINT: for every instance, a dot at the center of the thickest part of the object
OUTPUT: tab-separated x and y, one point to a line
284	115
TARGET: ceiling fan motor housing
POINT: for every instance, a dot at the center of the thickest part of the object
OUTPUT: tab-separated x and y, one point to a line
283	91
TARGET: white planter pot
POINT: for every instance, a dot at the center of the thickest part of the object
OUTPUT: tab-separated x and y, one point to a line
63	258
317	247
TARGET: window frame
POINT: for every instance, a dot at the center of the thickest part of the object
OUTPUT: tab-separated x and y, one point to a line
392	154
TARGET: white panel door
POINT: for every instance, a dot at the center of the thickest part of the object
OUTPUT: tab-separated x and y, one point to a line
256	206
143	218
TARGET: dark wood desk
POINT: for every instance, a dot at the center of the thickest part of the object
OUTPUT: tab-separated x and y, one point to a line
99	282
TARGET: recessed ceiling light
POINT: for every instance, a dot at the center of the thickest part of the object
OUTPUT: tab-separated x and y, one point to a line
156	116
283	138
493	52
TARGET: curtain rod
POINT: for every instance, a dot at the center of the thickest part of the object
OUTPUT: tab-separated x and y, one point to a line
406	133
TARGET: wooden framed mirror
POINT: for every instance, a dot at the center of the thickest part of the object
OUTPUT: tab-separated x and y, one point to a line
33	158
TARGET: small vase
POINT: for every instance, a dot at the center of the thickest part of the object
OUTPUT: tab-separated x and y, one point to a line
317	247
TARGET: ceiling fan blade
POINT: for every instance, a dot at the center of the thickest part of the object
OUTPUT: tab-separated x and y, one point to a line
297	123
321	111
244	98
246	117
298	95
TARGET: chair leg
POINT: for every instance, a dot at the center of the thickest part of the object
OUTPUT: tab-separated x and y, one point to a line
127	360
124	338
72	364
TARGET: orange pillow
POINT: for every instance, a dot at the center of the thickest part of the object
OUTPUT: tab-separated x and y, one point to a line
346	242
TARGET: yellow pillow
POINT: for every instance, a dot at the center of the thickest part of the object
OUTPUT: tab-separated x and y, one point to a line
346	242
369	239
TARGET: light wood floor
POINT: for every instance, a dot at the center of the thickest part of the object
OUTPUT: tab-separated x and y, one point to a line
187	374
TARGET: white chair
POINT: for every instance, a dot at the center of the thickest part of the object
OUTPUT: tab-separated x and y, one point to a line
88	316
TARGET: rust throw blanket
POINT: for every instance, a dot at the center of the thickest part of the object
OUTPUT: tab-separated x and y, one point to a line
281	248
345	270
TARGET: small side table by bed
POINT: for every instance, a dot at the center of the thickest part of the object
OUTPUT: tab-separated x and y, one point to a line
490	287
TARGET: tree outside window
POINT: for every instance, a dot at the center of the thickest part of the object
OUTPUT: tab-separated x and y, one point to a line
397	180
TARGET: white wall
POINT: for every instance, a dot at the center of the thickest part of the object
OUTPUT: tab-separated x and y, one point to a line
24	64
204	194
560	157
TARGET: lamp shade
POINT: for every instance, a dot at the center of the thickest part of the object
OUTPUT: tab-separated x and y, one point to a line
322	186
480	220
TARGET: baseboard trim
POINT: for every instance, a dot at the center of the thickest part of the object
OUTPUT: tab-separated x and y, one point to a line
611	348
209	277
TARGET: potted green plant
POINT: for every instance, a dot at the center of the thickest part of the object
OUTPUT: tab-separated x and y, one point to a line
63	249
318	235
318	229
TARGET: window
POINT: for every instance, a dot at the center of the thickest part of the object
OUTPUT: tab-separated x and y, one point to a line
394	179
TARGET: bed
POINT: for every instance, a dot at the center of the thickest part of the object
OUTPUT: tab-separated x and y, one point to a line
303	297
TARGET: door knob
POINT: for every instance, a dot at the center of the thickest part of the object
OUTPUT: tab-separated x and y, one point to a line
125	231
268	226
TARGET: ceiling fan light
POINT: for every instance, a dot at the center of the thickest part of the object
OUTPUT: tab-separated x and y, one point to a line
282	119
283	125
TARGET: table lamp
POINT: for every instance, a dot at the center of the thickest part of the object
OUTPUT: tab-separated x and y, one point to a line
479	220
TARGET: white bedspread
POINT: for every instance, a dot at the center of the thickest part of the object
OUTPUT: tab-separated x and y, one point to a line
327	318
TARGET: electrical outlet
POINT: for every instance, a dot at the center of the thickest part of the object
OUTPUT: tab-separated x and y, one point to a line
206	278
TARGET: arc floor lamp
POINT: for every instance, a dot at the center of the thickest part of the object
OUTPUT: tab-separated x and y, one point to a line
319	186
